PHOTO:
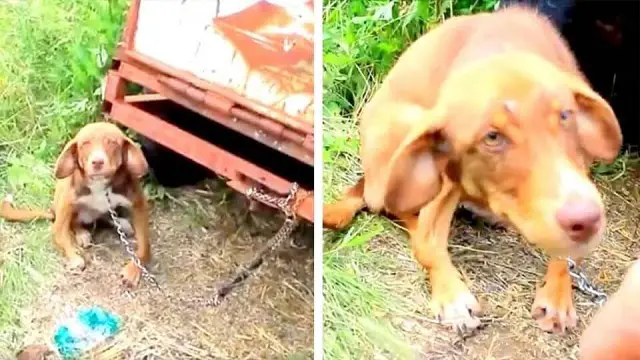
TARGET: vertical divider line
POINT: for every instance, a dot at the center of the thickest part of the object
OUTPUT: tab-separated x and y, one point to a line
317	183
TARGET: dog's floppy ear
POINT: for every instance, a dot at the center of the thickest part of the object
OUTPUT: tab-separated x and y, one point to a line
414	173
134	159
66	163
598	128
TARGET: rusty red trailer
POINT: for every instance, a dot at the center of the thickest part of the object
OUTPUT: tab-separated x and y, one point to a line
245	65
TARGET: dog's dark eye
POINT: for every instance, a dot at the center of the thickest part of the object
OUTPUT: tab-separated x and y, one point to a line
494	140
566	115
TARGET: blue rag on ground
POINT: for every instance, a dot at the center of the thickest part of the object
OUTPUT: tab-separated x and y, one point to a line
88	328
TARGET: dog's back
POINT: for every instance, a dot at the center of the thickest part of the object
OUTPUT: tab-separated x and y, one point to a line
467	39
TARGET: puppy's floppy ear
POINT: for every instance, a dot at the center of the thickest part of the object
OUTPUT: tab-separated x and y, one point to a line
598	128
66	163
134	159
414	173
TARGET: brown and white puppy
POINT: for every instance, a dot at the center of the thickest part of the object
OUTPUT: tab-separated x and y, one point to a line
489	110
99	160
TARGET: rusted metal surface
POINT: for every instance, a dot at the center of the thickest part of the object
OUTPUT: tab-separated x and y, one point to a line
231	118
134	57
144	98
258	52
255	35
276	44
240	173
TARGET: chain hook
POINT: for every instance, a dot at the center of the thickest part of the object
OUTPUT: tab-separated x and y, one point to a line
288	205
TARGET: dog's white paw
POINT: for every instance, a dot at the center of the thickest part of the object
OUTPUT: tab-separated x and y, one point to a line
76	263
8	199
461	313
83	238
454	305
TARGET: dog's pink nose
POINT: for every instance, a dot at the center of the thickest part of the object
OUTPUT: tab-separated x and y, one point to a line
97	163
581	219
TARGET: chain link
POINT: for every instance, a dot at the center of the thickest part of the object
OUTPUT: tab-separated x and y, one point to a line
246	269
288	205
128	245
283	203
584	285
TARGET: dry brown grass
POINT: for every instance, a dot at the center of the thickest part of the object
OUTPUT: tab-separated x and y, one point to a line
197	240
503	272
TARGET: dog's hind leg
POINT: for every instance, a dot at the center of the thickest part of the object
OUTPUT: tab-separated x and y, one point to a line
339	214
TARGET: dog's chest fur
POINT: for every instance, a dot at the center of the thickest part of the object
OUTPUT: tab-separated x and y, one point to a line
91	201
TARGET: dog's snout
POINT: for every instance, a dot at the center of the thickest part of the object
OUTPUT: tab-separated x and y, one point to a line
97	163
97	160
580	218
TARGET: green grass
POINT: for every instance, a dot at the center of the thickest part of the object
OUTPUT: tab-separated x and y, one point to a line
52	60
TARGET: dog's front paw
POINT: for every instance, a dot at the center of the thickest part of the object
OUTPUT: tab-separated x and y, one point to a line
130	275
453	303
335	216
338	215
83	238
553	306
76	261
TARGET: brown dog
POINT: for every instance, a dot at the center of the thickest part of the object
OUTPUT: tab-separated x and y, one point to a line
489	111
100	160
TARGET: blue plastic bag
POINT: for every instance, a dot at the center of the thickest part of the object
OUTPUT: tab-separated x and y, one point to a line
85	330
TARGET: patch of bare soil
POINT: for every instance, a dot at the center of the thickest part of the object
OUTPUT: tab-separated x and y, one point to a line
198	239
504	272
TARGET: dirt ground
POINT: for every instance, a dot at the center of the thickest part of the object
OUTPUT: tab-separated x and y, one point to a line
198	239
503	274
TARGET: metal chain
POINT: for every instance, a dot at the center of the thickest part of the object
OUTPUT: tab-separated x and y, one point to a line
128	245
584	285
282	203
289	206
